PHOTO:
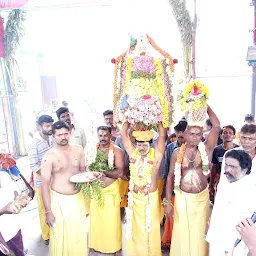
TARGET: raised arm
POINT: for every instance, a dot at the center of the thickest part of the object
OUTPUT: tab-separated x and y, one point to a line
161	138
214	133
126	139
118	172
46	172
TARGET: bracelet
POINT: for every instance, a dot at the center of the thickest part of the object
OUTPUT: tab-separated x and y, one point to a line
48	212
166	202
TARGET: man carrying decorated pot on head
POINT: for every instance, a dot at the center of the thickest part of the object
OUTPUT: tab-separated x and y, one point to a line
191	208
142	213
143	102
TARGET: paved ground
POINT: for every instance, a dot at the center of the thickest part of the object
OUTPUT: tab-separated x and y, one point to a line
30	222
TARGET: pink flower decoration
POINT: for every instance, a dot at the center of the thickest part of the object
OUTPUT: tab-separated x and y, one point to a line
195	91
146	97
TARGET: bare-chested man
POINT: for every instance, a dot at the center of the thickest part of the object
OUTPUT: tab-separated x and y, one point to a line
105	222
143	212
64	204
191	207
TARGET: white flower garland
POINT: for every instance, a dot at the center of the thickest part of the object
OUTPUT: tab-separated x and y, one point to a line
111	159
177	176
129	209
177	171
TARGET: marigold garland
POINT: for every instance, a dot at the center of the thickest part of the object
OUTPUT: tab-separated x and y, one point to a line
140	82
164	53
194	94
148	168
177	167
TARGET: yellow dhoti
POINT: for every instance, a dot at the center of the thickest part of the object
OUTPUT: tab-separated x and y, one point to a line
105	221
160	185
191	215
68	236
144	243
41	211
123	188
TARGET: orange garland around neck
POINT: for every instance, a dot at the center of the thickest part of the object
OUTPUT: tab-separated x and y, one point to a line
181	153
111	145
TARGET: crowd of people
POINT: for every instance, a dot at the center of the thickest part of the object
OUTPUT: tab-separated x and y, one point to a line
216	165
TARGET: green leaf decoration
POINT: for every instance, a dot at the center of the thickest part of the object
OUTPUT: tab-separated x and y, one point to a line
100	164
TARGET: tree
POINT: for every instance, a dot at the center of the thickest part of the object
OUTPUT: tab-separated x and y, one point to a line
187	29
14	31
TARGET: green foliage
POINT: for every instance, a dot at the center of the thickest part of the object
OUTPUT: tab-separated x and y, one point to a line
100	164
14	31
92	190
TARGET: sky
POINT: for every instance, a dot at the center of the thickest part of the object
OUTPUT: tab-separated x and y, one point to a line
78	44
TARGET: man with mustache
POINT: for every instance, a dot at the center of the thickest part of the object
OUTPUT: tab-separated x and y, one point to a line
64	203
248	144
38	146
143	211
235	201
228	134
105	223
179	130
191	207
77	135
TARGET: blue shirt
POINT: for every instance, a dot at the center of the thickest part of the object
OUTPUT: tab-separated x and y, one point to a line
169	151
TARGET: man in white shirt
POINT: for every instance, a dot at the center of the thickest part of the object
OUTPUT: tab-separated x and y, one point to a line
10	229
235	201
39	145
248	144
77	134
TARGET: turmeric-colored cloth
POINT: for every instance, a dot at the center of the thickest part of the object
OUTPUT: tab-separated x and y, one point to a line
144	243
68	235
105	221
191	215
160	185
168	228
41	211
87	207
123	188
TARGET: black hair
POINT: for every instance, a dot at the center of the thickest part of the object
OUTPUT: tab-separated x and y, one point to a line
242	157
108	112
208	122
249	117
44	119
181	126
61	110
59	125
248	128
231	127
104	128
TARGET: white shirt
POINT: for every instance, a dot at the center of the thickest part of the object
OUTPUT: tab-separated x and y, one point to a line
9	223
234	202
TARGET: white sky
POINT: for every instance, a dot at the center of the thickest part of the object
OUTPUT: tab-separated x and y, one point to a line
78	44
